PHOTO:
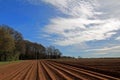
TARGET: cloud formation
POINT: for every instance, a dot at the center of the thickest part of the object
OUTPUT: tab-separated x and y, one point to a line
118	38
86	26
82	24
106	50
75	8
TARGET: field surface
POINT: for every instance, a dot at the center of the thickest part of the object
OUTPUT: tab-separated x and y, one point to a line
82	69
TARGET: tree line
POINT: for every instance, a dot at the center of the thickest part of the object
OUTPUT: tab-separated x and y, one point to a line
14	47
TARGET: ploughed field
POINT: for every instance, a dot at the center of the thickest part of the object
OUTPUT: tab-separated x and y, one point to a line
82	69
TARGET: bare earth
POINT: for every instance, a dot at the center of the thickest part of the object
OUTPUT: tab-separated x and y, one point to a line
82	69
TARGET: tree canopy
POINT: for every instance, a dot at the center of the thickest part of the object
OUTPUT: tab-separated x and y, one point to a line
14	47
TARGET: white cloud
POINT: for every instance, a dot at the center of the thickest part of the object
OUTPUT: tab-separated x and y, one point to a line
118	38
71	31
110	8
75	8
105	50
83	23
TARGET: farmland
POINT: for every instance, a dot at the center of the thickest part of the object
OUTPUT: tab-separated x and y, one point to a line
82	69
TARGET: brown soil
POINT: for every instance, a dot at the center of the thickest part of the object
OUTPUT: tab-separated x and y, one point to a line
61	70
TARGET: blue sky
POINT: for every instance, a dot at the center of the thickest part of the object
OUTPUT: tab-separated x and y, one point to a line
86	28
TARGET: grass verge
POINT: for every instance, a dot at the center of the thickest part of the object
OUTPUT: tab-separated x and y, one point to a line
8	62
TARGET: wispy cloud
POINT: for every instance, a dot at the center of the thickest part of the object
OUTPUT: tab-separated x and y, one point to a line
105	50
83	24
110	8
75	8
118	38
71	31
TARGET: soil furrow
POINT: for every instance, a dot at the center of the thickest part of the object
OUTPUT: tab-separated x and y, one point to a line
63	75
86	72
52	76
15	72
73	74
51	70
